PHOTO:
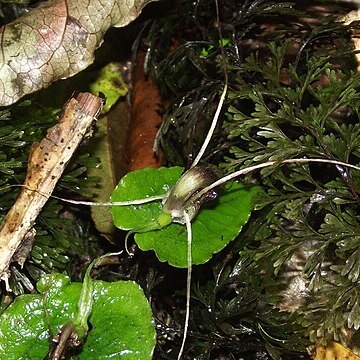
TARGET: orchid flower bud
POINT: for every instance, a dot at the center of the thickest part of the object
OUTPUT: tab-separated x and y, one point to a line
181	196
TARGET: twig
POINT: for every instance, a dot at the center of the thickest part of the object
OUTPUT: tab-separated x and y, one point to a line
46	164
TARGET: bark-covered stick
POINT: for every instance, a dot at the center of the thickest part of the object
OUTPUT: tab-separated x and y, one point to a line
46	164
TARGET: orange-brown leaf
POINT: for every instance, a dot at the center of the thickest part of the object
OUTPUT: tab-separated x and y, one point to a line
145	120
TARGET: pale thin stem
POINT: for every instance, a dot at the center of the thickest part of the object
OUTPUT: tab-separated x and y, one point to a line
212	127
113	203
126	242
107	203
267	164
188	281
221	101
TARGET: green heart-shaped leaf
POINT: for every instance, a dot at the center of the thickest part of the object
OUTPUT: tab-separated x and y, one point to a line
217	223
121	320
141	184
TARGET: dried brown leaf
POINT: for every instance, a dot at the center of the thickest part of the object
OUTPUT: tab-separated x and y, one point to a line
334	351
56	40
145	120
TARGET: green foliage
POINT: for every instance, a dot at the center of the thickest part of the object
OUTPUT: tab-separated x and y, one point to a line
191	81
141	184
212	229
120	317
292	93
309	112
236	308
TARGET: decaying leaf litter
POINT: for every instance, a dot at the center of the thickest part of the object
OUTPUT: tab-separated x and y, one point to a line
273	163
56	40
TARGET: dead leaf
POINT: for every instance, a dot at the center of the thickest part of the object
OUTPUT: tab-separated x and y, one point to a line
46	164
334	351
111	130
145	120
56	40
108	145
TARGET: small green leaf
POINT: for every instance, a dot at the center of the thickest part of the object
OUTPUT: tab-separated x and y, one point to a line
121	321
110	82
214	227
141	184
122	324
22	331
